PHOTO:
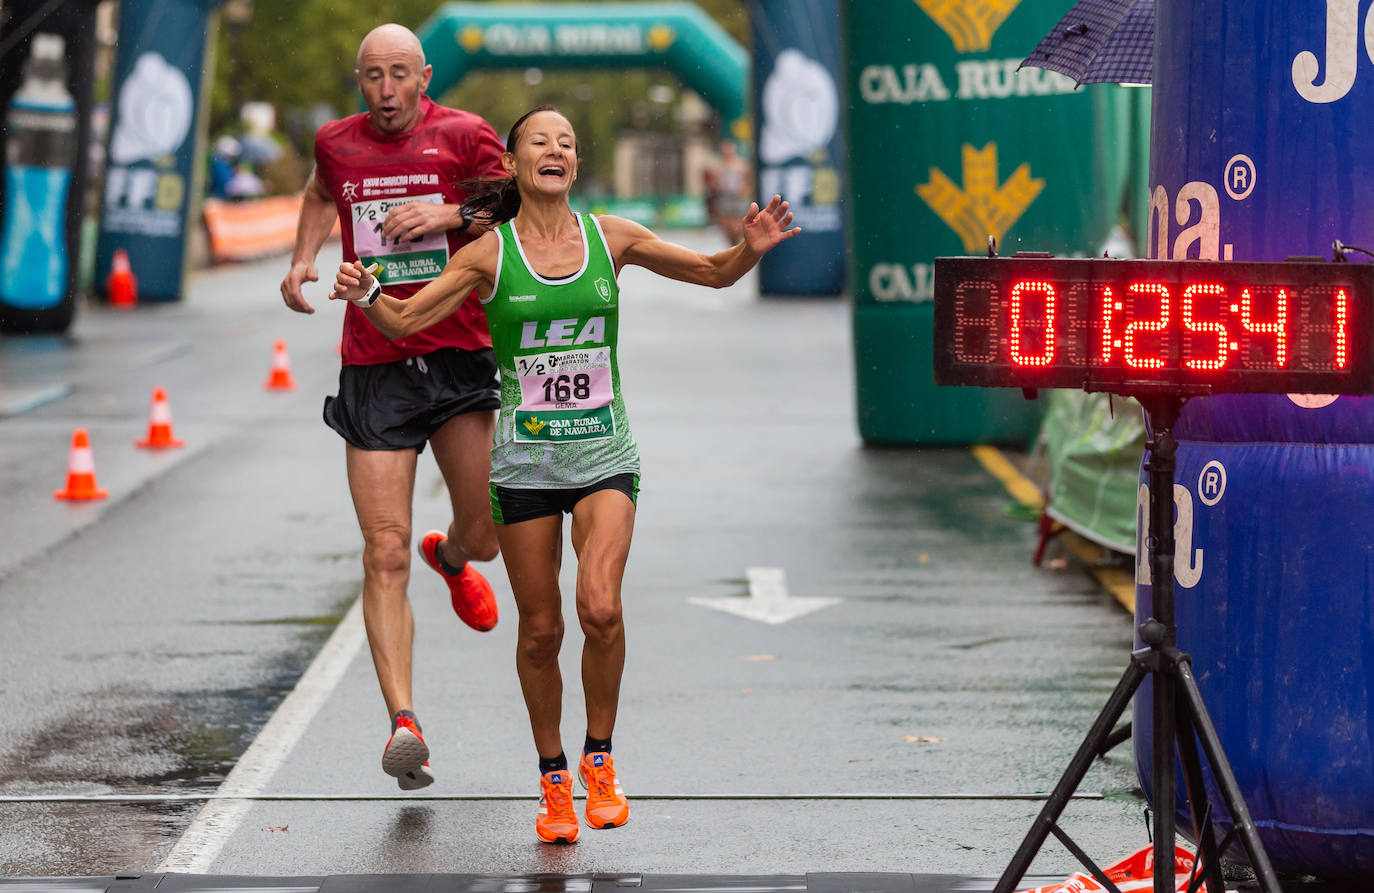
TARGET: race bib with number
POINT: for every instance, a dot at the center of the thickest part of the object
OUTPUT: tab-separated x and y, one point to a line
564	396
412	260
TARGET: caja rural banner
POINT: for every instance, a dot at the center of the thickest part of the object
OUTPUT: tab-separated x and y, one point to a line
151	164
949	143
1261	150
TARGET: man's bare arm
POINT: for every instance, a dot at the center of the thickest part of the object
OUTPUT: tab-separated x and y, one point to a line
316	221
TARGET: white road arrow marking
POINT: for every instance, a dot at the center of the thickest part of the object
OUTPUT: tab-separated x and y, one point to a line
768	601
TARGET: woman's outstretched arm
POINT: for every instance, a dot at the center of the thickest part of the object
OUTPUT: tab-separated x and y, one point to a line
632	243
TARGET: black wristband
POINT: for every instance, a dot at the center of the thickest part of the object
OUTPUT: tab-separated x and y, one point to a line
467	222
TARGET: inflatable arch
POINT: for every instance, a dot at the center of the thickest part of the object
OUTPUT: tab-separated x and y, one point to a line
461	37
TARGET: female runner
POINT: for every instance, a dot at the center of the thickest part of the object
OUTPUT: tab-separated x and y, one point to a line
563	441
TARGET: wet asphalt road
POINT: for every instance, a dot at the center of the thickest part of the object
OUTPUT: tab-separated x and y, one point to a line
147	639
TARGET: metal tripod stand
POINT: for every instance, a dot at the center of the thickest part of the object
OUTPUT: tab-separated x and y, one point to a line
1178	713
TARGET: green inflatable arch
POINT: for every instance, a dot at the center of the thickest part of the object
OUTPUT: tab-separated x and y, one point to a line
461	37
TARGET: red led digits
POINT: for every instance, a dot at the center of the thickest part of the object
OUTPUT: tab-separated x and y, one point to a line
1154	326
1324	322
1109	341
1017	290
1342	344
1278	328
1158	325
1223	342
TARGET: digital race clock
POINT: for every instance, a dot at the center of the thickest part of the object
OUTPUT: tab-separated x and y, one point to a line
1140	326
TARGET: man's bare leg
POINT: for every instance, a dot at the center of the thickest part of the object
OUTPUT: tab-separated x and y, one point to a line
383	483
462	449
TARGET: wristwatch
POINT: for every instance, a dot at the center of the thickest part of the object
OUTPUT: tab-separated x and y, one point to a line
370	298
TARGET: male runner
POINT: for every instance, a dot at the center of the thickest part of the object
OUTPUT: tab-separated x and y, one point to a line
390	176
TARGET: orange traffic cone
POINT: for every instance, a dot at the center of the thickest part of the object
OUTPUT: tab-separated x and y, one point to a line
81	471
280	379
121	286
160	424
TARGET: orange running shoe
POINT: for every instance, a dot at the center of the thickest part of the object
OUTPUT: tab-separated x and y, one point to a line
557	819
473	600
406	753
606	803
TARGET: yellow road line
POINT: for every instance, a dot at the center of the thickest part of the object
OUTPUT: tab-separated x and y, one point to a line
1017	484
1119	583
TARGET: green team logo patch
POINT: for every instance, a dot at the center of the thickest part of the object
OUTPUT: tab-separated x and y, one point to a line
603	288
562	427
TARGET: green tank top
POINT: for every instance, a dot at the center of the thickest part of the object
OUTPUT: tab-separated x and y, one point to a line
562	422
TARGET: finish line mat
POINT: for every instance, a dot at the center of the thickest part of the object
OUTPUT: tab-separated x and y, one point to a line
855	882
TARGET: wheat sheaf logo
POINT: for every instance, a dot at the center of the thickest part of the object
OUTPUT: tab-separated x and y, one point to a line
533	425
969	23
981	207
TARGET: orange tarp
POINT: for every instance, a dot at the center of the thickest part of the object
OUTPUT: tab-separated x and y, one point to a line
254	228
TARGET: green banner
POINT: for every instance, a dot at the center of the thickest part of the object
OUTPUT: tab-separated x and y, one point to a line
950	144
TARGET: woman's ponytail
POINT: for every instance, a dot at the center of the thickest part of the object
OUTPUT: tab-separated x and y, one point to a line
492	201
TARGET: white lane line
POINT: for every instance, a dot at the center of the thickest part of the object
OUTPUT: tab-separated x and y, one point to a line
16	401
217	820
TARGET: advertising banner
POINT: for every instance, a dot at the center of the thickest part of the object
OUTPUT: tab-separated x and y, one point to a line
948	144
151	161
1260	151
47	57
800	142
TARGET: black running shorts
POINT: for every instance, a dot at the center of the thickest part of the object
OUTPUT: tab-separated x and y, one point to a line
399	406
511	505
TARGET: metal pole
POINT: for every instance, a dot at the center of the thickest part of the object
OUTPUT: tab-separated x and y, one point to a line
1162	634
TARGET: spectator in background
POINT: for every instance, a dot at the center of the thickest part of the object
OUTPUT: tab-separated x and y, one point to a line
244	183
728	186
222	162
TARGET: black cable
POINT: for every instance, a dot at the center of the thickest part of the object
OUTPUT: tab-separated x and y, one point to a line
1339	250
30	23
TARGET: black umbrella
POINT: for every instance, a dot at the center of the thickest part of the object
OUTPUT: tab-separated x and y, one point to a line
1101	41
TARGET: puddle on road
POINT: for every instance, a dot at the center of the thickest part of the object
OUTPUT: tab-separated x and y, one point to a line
82	840
124	740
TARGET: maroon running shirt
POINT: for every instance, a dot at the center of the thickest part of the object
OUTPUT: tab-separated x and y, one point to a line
368	174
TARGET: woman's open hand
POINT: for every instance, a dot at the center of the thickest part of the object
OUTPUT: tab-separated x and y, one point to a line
766	227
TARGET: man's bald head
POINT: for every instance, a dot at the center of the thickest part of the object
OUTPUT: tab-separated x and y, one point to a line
391	38
392	76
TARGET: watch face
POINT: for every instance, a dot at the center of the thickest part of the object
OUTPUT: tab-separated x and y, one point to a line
1131	326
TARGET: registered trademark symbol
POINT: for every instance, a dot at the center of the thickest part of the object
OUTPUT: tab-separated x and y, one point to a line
1240	177
1211	483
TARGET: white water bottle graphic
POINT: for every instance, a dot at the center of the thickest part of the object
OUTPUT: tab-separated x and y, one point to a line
39	154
